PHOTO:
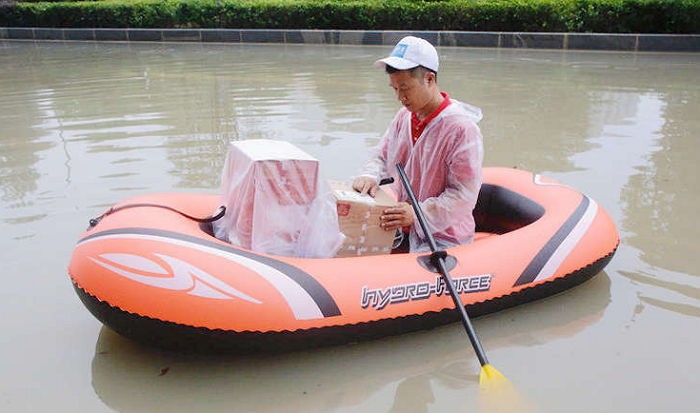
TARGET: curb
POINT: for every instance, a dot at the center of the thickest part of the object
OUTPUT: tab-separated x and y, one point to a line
517	40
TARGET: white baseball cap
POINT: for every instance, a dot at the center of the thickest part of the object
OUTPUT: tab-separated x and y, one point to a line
411	52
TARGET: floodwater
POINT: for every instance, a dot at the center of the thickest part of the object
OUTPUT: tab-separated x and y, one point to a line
84	125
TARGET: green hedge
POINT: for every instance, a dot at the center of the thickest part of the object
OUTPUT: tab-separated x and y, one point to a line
601	16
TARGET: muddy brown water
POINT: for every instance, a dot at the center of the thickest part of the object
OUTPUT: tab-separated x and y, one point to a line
84	125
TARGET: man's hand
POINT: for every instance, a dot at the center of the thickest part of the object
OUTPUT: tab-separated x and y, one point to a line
398	216
365	185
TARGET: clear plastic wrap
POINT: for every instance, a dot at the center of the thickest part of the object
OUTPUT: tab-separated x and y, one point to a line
276	202
443	166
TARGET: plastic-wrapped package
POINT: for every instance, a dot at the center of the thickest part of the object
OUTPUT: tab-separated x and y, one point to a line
358	218
276	203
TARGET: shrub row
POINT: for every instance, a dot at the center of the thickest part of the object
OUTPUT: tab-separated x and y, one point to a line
601	16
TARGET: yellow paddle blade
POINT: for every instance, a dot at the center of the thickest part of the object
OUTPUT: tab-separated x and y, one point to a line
498	395
490	377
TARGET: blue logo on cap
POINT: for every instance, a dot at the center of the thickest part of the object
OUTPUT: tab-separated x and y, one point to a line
399	50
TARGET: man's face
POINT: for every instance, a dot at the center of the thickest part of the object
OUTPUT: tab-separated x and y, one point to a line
412	92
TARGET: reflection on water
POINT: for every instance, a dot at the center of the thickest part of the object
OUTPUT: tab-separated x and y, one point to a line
85	125
663	288
301	381
684	289
413	394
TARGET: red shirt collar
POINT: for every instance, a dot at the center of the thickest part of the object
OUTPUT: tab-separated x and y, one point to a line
418	126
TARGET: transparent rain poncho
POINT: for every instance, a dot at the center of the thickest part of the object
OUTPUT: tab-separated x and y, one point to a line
443	167
276	202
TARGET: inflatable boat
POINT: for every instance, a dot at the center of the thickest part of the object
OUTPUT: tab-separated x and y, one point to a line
161	278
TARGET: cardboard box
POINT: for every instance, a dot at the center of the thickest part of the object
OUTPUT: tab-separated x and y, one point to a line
358	219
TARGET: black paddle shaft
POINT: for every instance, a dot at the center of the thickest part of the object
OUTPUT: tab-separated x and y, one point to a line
438	258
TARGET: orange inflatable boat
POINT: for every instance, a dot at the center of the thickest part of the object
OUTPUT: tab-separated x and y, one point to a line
160	278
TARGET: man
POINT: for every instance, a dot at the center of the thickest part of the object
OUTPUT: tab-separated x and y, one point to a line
437	140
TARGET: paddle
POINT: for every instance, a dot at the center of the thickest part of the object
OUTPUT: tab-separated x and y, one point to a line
488	373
